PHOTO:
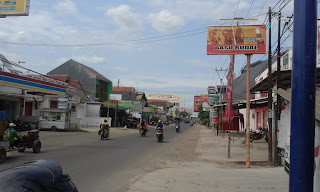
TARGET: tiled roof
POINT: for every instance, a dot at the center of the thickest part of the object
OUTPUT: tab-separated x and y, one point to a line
120	89
63	78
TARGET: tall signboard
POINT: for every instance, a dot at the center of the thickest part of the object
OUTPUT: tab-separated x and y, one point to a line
212	95
198	100
14	8
240	39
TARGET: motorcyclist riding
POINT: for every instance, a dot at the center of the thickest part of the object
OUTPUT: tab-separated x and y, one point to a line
143	125
10	134
160	126
104	125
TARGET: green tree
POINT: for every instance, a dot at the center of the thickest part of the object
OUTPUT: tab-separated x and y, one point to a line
203	114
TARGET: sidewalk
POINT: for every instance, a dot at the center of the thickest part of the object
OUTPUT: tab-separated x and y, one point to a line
213	148
202	165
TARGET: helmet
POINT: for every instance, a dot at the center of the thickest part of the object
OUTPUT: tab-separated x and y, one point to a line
105	120
159	121
12	125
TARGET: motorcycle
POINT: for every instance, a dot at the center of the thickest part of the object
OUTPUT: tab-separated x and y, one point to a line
191	124
259	134
104	132
167	123
159	135
177	128
143	132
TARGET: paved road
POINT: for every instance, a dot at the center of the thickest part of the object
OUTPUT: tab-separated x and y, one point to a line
96	165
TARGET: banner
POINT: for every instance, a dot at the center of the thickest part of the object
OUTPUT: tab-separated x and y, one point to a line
197	101
228	112
240	39
163	97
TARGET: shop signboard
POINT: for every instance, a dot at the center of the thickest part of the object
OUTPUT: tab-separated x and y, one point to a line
163	97
62	102
115	97
240	39
124	104
148	109
14	8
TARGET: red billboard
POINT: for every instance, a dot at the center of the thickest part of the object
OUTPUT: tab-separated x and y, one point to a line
197	101
240	39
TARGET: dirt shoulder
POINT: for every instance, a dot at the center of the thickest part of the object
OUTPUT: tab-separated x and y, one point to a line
197	161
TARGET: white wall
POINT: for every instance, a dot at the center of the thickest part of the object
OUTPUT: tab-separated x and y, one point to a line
93	110
252	120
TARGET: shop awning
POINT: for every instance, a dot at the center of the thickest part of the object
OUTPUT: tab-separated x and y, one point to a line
285	81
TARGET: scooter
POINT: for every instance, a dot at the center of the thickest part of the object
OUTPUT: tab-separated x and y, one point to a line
259	134
177	128
159	135
104	133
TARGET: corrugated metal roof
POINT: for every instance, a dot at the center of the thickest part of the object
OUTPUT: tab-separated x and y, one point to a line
90	69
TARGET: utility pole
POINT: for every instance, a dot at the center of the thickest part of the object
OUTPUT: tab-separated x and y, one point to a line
221	110
248	114
275	147
303	96
115	114
270	161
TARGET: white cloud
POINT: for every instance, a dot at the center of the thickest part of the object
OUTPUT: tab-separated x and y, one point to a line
125	18
89	59
166	22
66	6
198	63
118	68
83	59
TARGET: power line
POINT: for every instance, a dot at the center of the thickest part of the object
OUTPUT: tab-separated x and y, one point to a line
250	8
132	42
236	9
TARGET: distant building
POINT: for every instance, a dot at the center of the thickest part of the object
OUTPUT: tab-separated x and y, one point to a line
95	85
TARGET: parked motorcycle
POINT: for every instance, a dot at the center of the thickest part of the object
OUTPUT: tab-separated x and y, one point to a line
159	135
259	134
177	128
104	133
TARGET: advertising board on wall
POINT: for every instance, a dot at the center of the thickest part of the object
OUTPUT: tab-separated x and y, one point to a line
164	97
14	8
240	39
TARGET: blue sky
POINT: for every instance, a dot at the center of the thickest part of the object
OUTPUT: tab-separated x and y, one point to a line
171	58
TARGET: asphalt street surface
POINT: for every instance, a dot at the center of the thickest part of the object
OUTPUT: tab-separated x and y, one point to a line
99	165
